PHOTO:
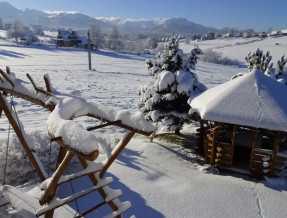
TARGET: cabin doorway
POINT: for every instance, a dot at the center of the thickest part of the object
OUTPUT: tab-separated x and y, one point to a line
241	157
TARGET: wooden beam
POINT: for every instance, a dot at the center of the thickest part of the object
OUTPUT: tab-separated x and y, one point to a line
28	98
6	77
36	87
21	138
121	125
50	192
117	151
214	135
48	84
233	142
104	125
8	70
61	155
274	152
94	180
255	133
90	156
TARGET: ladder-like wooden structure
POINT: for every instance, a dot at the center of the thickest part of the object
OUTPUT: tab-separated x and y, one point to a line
94	171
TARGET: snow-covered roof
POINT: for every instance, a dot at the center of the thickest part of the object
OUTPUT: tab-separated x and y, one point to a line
66	34
254	100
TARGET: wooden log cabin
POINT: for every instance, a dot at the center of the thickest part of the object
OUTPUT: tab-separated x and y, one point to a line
243	124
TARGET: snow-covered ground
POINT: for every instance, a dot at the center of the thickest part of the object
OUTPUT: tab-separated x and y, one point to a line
160	179
237	48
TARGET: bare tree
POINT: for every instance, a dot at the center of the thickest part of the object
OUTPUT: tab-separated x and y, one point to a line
96	36
114	42
1	24
17	30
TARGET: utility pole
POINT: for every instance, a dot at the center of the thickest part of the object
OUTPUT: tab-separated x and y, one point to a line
89	51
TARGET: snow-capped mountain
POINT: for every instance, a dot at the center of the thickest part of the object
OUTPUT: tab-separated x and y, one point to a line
77	20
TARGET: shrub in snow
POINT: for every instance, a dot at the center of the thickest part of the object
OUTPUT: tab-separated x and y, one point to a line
215	57
164	101
18	166
259	60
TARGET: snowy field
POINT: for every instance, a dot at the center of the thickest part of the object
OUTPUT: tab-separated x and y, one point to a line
160	179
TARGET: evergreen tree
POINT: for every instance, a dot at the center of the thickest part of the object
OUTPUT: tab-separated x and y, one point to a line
260	61
164	101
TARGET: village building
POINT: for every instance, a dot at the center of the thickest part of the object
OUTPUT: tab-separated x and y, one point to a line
1	24
247	35
284	32
7	26
72	39
275	33
67	38
243	124
262	35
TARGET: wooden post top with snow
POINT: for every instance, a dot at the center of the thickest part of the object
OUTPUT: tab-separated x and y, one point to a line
247	113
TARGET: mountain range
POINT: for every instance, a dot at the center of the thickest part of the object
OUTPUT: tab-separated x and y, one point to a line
79	21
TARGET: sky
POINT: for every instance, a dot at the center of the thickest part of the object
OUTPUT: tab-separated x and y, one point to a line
242	14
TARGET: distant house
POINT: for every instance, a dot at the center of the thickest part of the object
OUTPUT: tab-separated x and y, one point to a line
247	34
228	35
262	35
275	33
238	34
1	24
68	38
7	26
211	36
284	32
195	37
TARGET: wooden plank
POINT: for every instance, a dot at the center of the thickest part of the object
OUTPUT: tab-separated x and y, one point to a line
21	138
104	125
263	151
48	84
90	156
274	152
214	135
61	202
259	165
227	158
233	142
257	171
116	152
96	207
50	191
36	87
223	163
260	157
209	137
94	180
280	164
28	98
121	125
7	78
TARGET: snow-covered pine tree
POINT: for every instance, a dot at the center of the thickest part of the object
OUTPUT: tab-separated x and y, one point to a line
164	101
258	60
281	75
